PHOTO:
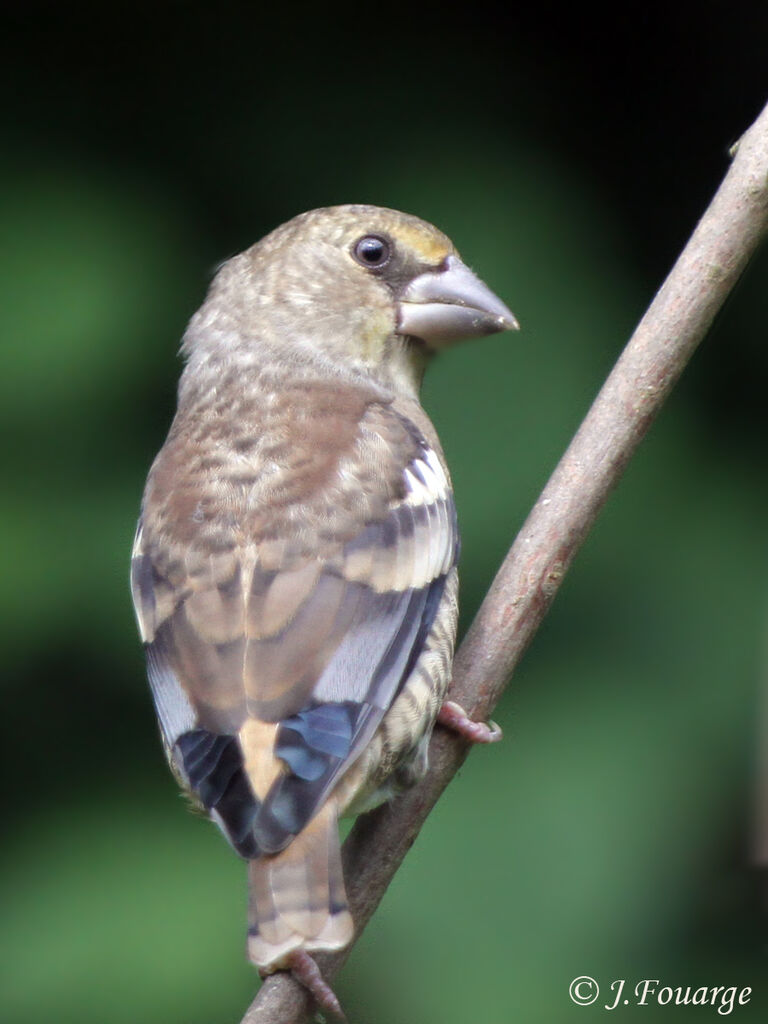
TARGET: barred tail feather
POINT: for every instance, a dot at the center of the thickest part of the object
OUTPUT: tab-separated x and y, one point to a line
297	898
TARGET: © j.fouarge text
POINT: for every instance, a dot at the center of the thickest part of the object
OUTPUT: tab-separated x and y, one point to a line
650	990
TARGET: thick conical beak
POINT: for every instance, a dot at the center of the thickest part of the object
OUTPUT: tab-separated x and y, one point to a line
443	306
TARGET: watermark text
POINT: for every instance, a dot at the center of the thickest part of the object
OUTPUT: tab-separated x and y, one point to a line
585	991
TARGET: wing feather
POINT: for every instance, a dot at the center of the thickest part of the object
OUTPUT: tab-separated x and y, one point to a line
315	633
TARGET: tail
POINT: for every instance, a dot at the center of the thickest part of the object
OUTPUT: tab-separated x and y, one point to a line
297	898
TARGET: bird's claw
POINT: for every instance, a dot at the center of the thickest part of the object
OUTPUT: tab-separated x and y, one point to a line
304	969
454	717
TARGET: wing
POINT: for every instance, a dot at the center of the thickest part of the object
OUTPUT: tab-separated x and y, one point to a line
277	640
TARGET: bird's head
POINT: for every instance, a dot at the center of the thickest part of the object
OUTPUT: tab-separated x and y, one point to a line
366	287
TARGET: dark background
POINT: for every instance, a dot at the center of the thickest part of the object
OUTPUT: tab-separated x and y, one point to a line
568	154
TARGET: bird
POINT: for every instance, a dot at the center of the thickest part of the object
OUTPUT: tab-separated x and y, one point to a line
294	568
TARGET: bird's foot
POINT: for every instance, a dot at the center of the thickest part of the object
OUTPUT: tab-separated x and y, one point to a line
304	969
454	717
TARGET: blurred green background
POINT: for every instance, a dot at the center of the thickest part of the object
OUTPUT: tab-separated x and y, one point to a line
568	155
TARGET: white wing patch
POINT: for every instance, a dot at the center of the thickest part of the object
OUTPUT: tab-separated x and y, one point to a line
425	480
416	542
173	706
429	491
146	629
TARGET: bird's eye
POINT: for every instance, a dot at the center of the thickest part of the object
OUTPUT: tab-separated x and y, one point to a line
372	251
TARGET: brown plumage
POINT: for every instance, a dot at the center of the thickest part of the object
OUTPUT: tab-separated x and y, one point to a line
294	567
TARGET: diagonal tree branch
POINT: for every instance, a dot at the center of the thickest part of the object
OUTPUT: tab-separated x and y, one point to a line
530	576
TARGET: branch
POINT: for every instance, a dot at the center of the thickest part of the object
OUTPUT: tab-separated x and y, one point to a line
530	576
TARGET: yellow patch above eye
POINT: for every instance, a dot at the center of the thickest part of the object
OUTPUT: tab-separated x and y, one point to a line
429	246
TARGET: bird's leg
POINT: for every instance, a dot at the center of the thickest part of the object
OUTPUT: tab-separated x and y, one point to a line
307	973
454	717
